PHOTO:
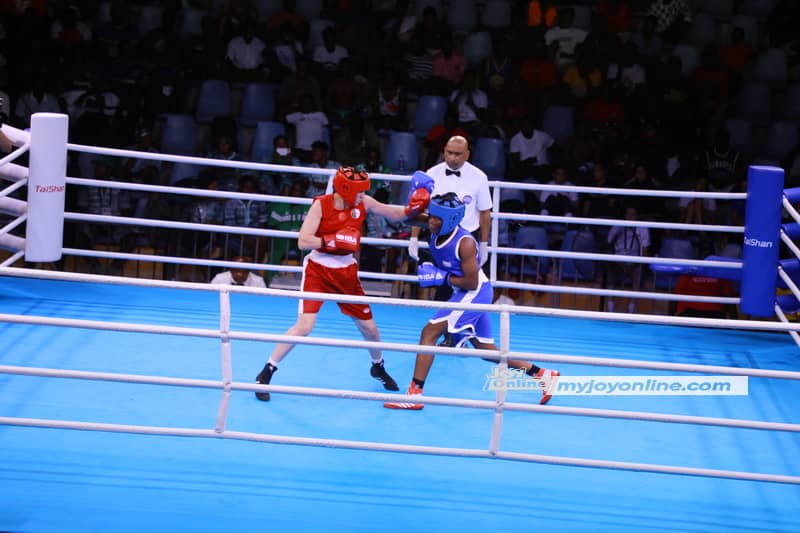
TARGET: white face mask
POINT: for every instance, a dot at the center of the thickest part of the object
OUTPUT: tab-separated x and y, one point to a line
283	151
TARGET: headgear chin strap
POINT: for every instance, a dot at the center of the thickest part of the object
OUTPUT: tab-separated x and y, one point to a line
448	208
348	182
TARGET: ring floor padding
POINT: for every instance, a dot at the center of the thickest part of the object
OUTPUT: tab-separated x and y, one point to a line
67	480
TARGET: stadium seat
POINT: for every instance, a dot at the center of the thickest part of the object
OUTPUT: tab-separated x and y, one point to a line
689	56
759	9
703	30
258	103
770	66
192	22
310	9
462	16
791	103
149	18
179	135
721	9
430	111
420	5
496	14
665	276
583	17
750	26
531	238
578	269
261	149
213	100
489	155
183	171
753	102
315	29
477	48
559	122
741	135
782	137
402	153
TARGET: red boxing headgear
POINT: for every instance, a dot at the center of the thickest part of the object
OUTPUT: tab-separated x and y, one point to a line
348	182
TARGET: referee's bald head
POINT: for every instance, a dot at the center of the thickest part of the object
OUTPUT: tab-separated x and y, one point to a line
459	139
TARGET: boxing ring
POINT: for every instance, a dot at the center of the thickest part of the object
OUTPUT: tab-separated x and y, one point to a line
139	365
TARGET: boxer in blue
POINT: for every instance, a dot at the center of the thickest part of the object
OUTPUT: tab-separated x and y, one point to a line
457	263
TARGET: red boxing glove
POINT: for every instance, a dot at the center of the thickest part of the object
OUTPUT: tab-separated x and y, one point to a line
344	241
418	202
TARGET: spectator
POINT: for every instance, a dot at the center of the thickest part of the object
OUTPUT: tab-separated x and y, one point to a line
246	54
329	54
245	214
239	276
295	86
142	170
559	203
528	151
389	103
614	16
721	163
308	125
471	104
419	68
286	216
738	53
225	149
627	241
372	165
283	54
351	142
648	42
345	95
564	38
320	184
277	182
541	15
448	66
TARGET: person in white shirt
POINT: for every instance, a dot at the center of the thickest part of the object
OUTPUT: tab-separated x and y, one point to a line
564	38
528	151
471	105
308	127
239	276
245	54
329	54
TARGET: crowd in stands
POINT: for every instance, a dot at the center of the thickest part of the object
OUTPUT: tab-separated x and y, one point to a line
641	94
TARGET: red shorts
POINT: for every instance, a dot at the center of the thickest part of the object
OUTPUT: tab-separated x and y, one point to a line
319	278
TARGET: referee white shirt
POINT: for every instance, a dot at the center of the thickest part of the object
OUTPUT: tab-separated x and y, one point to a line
470	184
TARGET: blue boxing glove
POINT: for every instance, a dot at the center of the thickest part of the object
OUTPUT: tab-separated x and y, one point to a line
429	275
420	180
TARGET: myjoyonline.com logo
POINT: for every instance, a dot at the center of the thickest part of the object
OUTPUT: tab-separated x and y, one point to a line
49	188
750	241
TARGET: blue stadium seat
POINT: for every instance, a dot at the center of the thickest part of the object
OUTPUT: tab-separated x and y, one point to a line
741	135
753	102
771	67
578	269
268	7
559	122
689	56
703	30
750	26
192	21
759	9
258	103
496	14
261	149
489	155
477	48
183	171
402	153
462	16
420	5
431	110
149	18
665	276
721	9
179	135
213	100
791	103
532	238
310	9
782	137
583	17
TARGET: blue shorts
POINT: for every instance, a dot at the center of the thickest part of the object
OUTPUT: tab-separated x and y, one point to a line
464	324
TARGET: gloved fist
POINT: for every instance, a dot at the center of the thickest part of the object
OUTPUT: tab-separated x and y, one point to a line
413	248
420	180
483	253
429	275
342	242
418	202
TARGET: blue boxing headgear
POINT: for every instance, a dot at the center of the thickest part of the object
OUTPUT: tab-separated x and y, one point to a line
448	208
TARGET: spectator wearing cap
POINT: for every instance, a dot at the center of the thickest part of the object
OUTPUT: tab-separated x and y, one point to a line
308	124
320	184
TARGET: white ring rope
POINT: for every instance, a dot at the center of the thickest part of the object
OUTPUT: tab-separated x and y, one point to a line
500	405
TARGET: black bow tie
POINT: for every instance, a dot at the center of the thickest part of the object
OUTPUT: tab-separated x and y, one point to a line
447	172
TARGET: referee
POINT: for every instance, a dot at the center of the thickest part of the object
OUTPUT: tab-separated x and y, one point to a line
456	174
